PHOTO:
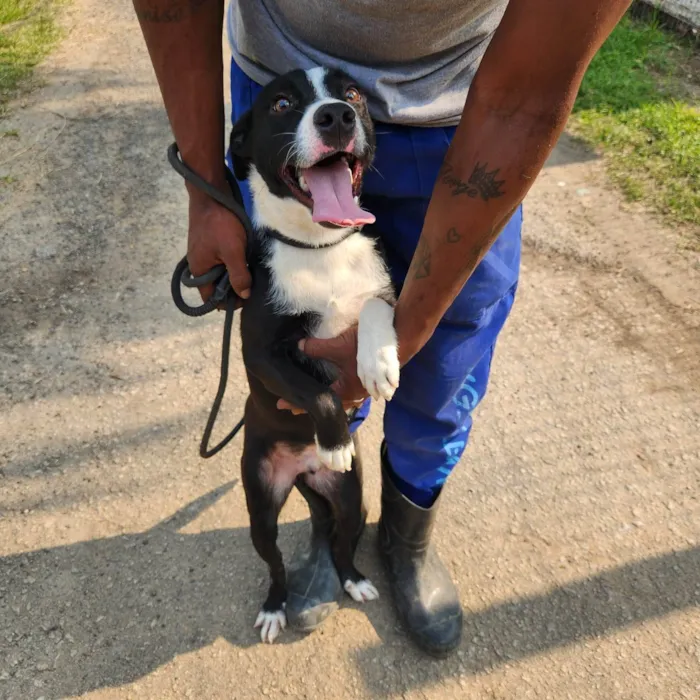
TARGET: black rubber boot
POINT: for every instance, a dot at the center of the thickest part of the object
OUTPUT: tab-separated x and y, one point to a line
423	592
314	590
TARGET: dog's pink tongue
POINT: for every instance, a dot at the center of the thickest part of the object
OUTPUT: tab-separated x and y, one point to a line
331	191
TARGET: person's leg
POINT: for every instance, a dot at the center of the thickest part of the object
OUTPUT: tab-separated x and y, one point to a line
427	423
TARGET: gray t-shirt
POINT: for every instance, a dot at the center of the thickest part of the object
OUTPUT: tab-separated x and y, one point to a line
414	59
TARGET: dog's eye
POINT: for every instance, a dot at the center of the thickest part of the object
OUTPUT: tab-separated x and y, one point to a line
352	95
282	104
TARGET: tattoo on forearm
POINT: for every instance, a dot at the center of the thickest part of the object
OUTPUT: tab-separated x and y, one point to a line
421	260
478	250
165	11
481	183
473	258
421	265
453	236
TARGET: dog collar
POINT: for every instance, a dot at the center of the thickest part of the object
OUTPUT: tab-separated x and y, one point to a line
277	236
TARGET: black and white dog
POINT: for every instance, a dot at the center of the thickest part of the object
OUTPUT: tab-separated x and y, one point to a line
304	147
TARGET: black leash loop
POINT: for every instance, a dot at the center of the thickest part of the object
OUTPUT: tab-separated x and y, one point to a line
183	276
223	292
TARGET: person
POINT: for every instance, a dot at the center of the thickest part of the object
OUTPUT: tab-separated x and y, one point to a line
470	97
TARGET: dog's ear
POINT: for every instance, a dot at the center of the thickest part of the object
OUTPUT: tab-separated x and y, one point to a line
240	146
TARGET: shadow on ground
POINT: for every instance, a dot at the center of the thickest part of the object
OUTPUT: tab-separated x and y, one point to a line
55	458
180	592
183	591
589	608
570	149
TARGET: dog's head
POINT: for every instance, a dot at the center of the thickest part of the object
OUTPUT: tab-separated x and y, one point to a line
305	145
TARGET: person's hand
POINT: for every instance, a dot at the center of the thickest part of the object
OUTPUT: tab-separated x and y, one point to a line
342	352
216	236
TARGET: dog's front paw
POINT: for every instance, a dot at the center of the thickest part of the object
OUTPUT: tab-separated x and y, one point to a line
378	350
271	623
378	369
339	458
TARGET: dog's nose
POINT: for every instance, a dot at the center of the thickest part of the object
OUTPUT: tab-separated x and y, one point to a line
336	117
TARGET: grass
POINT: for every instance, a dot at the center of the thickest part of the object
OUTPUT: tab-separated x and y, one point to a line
28	32
637	106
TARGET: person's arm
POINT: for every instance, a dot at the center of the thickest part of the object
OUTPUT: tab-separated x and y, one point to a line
517	106
184	42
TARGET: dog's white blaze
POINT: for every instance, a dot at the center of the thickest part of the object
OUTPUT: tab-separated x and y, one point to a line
317	78
309	146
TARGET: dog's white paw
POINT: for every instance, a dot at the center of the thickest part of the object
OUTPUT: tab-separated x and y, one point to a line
338	459
362	591
378	370
378	350
271	624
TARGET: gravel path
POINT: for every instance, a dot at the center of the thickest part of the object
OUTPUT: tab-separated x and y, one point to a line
126	571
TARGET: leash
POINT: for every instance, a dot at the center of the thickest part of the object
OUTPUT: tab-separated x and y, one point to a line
223	291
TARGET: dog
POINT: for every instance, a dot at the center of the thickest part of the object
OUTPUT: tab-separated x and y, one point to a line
303	147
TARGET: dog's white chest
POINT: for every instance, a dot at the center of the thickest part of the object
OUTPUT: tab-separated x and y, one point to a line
331	282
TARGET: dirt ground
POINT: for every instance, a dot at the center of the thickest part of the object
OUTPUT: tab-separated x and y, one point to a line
572	525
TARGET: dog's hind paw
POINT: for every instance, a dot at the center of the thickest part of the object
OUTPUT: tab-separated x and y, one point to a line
338	459
362	591
271	624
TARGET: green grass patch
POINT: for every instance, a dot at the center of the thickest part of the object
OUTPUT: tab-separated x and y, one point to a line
28	31
637	105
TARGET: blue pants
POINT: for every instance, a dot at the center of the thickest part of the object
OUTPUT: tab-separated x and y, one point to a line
427	423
